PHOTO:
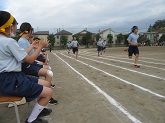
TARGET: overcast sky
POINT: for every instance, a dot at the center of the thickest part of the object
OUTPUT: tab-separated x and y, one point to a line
120	15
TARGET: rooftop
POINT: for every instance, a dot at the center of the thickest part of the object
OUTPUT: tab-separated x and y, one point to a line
41	33
63	32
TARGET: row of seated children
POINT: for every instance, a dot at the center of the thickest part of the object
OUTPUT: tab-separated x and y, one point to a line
18	60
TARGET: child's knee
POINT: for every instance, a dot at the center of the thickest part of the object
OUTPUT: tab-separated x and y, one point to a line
50	73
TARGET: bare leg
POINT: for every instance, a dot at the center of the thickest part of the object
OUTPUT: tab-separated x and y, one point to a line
76	54
43	72
44	83
45	95
136	59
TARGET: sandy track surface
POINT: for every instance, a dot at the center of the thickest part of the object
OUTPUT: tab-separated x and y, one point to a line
105	89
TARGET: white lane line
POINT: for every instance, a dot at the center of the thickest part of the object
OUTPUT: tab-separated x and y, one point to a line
153	54
153	59
138	60
132	59
145	74
104	57
109	98
125	81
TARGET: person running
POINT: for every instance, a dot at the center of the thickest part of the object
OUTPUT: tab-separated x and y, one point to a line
133	45
33	69
99	47
104	46
13	81
74	44
68	46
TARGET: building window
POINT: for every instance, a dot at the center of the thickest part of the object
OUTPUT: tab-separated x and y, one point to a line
57	42
58	37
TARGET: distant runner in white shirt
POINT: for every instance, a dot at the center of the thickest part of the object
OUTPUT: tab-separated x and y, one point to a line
74	44
68	46
100	47
104	45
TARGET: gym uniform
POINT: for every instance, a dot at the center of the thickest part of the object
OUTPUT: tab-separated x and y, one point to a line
100	45
13	81
104	45
29	69
74	45
68	46
133	49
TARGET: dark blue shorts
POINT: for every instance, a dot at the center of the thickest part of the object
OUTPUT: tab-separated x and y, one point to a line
36	64
99	48
75	49
18	84
133	50
30	69
40	58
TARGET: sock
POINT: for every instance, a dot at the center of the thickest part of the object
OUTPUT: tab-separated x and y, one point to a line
36	111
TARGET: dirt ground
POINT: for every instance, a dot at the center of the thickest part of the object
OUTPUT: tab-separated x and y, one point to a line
105	89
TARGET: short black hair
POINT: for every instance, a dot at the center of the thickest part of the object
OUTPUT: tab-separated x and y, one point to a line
4	17
26	27
134	28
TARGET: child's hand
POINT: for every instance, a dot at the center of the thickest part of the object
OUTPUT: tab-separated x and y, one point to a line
139	44
135	44
44	43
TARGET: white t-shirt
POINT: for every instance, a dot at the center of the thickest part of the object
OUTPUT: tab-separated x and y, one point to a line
100	43
104	43
74	43
24	43
133	38
11	55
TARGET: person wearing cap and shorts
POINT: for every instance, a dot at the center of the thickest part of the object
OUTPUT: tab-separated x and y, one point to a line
74	44
133	45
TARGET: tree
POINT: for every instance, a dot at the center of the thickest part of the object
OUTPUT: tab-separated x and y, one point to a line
120	38
98	37
158	26
144	39
150	29
86	39
77	37
51	39
110	38
162	38
63	40
125	39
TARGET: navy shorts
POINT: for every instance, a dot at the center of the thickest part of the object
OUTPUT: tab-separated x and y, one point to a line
75	49
30	69
18	84
36	64
133	50
99	48
40	58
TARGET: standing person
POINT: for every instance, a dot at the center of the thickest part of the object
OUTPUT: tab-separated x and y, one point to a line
133	45
74	44
104	45
100	47
13	82
68	46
